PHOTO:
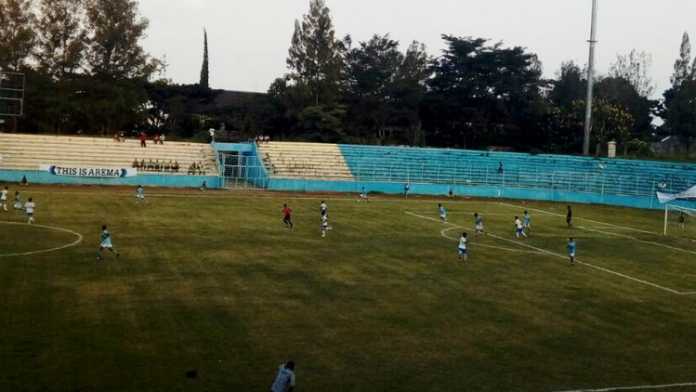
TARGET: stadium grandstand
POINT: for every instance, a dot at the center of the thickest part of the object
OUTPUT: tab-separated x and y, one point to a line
298	166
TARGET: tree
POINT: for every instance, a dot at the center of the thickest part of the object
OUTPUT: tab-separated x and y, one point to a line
371	71
622	93
114	45
315	55
17	37
635	68
570	85
680	112
204	82
682	67
409	91
483	94
61	37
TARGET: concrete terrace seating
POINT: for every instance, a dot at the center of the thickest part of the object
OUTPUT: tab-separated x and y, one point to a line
468	167
304	160
28	152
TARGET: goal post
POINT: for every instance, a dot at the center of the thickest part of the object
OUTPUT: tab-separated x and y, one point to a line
677	215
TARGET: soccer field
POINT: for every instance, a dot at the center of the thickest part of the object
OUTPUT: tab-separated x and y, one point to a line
214	282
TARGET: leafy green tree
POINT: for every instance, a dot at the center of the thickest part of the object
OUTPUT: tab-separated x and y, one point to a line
61	37
622	93
17	36
483	94
114	47
315	55
680	112
371	72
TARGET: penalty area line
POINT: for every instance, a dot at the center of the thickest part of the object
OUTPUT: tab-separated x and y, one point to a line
592	266
452	226
635	388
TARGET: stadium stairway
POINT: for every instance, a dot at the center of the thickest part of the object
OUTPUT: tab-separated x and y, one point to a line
304	160
29	152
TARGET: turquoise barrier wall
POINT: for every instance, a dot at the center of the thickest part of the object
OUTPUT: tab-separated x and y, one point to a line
302	185
145	179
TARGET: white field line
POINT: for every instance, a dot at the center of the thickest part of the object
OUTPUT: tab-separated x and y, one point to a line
638	240
452	226
615	234
444	232
635	388
36	252
596	267
585	219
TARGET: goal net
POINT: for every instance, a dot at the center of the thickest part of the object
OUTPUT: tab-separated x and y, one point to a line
680	220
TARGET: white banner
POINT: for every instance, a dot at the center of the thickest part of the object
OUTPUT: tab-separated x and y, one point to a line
667	197
99	172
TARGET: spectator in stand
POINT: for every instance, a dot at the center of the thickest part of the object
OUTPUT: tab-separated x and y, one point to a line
211	132
501	170
142	164
176	167
192	168
117	137
266	139
150	165
135	163
122	136
161	139
143	139
155	139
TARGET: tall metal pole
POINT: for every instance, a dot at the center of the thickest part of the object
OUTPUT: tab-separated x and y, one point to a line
590	81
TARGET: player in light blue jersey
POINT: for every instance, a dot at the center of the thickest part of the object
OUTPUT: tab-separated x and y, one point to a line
526	221
478	223
462	248
443	213
105	243
572	247
140	194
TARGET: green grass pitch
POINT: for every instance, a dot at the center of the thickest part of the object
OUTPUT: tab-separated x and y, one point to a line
214	282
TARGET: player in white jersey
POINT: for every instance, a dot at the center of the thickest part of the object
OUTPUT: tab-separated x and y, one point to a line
3	198
462	247
29	207
18	201
323	209
519	228
363	195
105	243
139	194
443	213
324	225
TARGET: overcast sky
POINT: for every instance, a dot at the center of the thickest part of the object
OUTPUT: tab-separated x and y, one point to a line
249	39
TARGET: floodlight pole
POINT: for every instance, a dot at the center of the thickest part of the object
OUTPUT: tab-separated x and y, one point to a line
590	81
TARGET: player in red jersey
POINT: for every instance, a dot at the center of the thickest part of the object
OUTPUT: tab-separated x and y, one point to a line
287	216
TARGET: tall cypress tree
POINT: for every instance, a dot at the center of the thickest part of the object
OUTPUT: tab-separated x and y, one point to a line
682	67
205	83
